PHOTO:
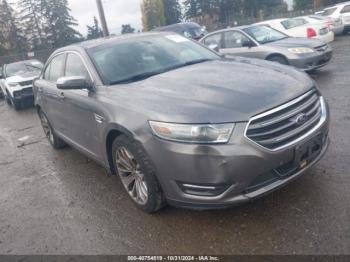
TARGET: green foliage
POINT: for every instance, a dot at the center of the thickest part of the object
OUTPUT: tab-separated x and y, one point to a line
94	31
172	11
127	29
60	23
152	14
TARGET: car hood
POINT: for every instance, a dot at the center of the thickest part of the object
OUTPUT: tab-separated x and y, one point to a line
230	90
23	77
297	42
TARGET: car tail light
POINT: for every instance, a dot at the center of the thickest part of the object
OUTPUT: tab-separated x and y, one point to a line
311	33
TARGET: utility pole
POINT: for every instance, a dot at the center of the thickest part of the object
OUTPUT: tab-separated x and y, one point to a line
101	13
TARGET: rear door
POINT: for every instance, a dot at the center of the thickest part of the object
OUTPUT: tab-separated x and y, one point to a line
237	43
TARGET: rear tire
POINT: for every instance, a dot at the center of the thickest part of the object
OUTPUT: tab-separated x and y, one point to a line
55	141
278	59
137	174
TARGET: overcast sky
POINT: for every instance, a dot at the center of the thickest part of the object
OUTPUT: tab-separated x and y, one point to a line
118	12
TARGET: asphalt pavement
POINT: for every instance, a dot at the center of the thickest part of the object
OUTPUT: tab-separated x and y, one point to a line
58	202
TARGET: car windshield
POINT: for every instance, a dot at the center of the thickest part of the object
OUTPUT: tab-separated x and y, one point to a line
292	23
23	67
264	34
138	58
328	12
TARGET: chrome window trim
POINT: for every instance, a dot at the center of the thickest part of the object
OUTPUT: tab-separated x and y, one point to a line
294	142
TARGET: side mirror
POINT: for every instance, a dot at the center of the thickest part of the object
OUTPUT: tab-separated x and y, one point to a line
214	47
73	83
248	43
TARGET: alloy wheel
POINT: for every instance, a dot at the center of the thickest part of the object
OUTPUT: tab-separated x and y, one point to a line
132	176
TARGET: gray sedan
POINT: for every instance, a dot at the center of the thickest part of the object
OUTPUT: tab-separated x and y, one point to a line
267	43
180	124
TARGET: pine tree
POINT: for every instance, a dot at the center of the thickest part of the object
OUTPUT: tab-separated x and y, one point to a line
94	31
172	11
60	31
32	19
11	37
152	14
127	29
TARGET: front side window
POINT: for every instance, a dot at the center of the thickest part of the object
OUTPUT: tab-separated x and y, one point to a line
137	58
264	34
234	39
75	66
56	68
292	23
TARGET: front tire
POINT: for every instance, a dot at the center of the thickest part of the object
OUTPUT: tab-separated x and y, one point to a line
55	141
137	175
278	59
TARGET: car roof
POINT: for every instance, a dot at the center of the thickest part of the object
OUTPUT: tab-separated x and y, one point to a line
178	25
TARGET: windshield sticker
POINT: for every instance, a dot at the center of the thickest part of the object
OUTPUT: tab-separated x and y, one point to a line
177	38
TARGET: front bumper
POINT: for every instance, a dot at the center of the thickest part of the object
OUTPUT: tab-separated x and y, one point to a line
241	169
313	61
24	97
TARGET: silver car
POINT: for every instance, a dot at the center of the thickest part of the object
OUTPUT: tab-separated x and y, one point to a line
267	43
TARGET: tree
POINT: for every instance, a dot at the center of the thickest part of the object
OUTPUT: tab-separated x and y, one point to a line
33	22
60	31
94	31
172	11
11	37
303	4
152	14
127	29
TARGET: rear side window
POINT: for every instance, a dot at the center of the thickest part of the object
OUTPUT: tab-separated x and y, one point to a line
55	68
346	9
234	39
213	40
292	23
76	67
328	12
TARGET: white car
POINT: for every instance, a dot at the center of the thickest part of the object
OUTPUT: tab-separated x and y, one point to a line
335	24
300	28
340	11
16	82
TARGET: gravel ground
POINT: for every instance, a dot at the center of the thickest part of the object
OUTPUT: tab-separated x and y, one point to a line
58	202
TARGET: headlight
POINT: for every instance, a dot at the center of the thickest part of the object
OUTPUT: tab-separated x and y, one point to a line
188	133
301	50
13	84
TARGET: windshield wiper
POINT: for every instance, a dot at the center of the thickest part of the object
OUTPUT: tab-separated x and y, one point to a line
146	75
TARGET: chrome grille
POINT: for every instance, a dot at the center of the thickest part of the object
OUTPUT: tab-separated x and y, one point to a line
289	123
27	91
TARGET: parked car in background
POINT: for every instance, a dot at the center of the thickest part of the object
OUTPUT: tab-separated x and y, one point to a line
189	29
266	43
17	80
179	123
300	28
335	24
339	11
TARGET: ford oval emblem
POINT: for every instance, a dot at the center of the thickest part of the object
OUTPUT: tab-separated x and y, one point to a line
301	119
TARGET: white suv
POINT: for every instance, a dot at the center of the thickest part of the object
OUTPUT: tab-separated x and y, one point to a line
341	11
16	82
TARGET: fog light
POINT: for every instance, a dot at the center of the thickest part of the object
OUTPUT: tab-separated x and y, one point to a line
203	190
